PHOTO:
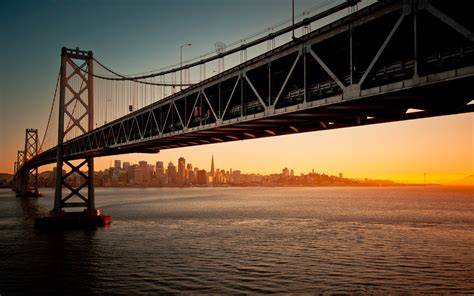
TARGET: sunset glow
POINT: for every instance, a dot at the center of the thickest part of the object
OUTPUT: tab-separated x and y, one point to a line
209	147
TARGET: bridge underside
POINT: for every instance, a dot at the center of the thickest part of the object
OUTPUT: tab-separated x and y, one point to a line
370	67
333	113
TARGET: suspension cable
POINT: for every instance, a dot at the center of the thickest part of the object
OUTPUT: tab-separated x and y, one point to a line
243	46
51	111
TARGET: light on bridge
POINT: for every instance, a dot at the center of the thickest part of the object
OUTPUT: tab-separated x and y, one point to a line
294	129
249	135
413	110
270	132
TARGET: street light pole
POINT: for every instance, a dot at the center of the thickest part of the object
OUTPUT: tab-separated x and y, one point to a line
293	19
181	64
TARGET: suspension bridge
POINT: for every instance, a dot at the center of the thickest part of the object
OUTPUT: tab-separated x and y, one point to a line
390	61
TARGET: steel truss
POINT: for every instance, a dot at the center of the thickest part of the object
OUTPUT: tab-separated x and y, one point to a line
369	67
20	161
29	175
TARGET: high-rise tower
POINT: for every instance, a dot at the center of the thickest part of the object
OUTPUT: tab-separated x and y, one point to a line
212	166
171	173
181	170
212	173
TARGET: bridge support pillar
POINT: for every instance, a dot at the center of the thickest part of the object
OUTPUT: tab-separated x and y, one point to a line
76	86
75	180
19	162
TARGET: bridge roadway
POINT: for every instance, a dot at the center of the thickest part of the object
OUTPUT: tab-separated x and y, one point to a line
367	68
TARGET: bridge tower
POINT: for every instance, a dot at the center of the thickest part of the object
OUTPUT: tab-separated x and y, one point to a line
18	163
76	89
76	117
28	176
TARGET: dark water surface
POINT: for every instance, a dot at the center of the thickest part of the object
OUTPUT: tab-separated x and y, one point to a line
246	240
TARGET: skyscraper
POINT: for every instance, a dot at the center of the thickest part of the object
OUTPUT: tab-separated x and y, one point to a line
160	169
160	173
142	173
212	172
181	170
117	164
171	173
189	167
202	177
190	173
126	165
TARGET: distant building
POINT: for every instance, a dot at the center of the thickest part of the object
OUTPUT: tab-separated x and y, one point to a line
181	170
285	172
151	172
341	175
160	169
202	177
171	173
195	175
142	173
126	165
190	173
212	173
220	177
160	172
131	173
117	164
123	176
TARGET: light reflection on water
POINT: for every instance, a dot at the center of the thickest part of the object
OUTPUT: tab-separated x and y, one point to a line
247	240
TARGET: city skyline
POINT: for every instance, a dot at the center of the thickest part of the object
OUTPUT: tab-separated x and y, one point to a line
177	173
184	174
